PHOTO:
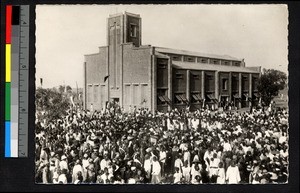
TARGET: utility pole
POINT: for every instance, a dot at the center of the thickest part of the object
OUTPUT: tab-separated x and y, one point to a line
77	90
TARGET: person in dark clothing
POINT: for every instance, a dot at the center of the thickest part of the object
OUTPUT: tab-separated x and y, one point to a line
204	175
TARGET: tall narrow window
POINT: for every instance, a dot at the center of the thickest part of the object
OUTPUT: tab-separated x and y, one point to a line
245	83
133	30
209	82
235	83
224	84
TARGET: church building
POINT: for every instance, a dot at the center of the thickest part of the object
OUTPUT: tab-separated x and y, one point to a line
157	78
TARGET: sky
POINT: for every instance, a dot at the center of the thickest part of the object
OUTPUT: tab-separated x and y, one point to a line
65	33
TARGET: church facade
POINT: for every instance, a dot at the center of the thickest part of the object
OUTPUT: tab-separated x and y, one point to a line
156	78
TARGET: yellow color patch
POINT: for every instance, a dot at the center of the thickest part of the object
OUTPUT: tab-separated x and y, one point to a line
8	63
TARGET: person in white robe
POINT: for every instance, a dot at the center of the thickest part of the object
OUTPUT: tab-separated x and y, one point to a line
147	166
177	176
186	171
221	174
77	168
62	179
63	164
85	164
233	174
156	171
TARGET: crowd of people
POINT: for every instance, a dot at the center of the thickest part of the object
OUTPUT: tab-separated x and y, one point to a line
112	146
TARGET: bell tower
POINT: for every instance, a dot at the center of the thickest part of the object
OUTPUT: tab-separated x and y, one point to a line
132	26
121	28
124	28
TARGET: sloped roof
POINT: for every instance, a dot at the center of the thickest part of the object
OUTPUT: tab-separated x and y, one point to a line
161	55
211	67
198	54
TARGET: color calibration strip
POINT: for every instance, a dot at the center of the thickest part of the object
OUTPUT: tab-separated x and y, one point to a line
16	81
8	82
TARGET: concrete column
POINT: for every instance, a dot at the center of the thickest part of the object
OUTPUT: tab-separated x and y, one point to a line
230	86
217	86
107	83
140	34
202	84
151	85
121	76
107	31
170	82
188	93
122	29
250	89
240	89
150	97
154	84
125	27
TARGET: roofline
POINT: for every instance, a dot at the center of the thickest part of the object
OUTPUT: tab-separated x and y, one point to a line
125	13
115	14
132	14
199	54
91	54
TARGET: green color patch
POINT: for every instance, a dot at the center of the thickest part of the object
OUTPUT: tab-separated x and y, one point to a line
7	101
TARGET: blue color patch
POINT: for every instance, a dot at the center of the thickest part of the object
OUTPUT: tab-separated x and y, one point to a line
7	139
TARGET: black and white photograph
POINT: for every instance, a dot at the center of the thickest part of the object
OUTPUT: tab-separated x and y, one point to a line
161	94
